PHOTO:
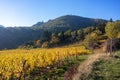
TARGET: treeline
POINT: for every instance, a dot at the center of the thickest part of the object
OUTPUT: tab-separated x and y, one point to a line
94	37
87	35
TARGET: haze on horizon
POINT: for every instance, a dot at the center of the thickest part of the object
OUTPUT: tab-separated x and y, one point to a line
28	12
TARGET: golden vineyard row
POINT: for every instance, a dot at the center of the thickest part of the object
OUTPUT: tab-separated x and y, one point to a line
11	61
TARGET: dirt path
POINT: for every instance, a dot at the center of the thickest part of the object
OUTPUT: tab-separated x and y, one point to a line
83	70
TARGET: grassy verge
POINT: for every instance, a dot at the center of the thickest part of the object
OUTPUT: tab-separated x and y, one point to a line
56	72
107	69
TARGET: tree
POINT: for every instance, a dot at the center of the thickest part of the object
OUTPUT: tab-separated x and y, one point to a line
61	36
46	45
38	43
88	30
112	29
53	34
101	26
73	35
119	35
45	36
67	33
54	39
90	40
80	34
98	32
111	20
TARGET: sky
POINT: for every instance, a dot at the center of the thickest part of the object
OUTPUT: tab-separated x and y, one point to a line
29	12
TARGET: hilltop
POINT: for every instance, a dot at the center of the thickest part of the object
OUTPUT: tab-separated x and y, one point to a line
66	22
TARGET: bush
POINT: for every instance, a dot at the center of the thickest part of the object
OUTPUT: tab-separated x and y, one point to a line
46	45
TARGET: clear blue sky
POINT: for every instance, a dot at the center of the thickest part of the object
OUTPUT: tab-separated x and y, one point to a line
28	12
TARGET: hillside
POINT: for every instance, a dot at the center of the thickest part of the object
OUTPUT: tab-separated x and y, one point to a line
68	22
12	37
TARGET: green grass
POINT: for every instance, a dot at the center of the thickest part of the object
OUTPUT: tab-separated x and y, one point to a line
56	72
107	69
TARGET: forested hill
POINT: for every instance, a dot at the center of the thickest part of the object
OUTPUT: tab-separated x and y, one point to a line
68	22
12	37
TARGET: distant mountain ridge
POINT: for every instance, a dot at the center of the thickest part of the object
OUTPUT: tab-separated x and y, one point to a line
69	22
12	37
38	24
1	26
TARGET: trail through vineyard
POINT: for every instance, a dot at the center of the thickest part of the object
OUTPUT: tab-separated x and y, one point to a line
83	71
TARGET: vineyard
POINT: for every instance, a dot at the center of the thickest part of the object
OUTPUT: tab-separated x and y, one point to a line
15	64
